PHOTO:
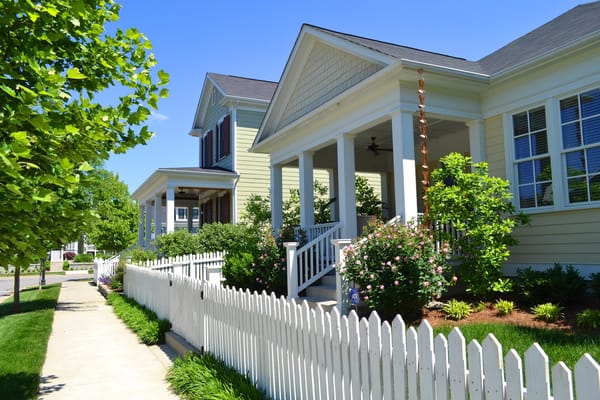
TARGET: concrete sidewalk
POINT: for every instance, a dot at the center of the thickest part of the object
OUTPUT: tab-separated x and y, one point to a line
93	355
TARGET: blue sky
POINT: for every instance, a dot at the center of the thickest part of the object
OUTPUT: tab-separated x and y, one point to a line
254	39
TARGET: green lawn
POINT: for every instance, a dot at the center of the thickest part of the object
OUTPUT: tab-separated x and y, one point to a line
23	341
558	345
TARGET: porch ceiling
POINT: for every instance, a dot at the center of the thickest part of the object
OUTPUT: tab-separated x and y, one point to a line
368	161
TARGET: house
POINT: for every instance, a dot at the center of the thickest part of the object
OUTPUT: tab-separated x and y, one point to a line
531	110
227	119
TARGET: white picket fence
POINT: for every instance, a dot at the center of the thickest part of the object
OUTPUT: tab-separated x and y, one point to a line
205	266
295	352
105	268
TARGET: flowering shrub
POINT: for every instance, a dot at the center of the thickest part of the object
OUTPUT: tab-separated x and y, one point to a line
260	266
397	269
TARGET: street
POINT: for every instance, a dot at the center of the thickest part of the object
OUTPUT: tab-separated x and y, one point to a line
7	282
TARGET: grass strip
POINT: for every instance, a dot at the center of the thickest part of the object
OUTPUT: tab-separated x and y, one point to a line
206	377
557	344
143	321
24	340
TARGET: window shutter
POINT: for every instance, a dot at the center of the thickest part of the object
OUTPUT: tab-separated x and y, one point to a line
226	208
226	133
209	149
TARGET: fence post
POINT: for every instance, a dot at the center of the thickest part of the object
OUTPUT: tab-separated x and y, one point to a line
341	285
292	269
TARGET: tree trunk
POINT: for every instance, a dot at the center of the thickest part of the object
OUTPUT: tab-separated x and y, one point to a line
17	292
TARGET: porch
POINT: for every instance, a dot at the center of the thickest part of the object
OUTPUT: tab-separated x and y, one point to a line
184	198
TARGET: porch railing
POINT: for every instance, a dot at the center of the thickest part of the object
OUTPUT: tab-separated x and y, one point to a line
313	261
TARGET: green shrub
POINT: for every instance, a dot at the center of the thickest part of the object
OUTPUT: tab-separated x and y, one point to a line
457	310
205	377
178	243
479	206
547	312
140	255
227	237
143	321
589	318
555	285
117	280
261	266
595	284
84	258
504	307
66	266
480	307
397	269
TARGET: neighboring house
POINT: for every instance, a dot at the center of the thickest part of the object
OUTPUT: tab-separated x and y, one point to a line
227	119
531	110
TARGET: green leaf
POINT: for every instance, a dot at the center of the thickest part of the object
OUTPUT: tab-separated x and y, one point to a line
74	73
13	188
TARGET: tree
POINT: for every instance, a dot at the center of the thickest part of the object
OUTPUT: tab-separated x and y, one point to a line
116	216
367	202
479	206
56	58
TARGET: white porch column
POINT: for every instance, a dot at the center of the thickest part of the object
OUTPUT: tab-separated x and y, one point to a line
170	209
405	181
276	198
347	185
148	232
157	215
190	219
307	203
476	140
333	194
141	226
385	200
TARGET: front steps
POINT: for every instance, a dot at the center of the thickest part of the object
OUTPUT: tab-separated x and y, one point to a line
323	293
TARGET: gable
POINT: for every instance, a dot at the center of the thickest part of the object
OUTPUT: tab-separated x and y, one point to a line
327	73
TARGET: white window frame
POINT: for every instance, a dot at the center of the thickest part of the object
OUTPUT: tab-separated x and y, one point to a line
583	147
177	214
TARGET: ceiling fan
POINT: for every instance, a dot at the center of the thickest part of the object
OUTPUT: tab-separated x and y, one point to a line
375	148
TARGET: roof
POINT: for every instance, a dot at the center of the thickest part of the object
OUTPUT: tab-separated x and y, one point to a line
197	169
568	28
246	88
404	52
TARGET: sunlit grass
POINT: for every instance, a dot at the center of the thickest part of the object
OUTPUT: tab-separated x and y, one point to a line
23	341
559	345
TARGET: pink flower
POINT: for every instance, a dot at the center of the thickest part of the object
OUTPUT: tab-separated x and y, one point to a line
426	283
372	276
440	283
397	258
396	283
369	287
389	263
440	269
361	273
357	262
365	257
454	278
382	287
366	297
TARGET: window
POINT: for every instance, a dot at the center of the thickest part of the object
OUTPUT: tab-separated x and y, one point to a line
580	128
223	137
195	214
207	150
181	214
532	159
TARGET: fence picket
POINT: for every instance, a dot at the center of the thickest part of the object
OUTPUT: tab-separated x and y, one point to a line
354	348
375	356
475	375
441	368
386	361
514	376
587	378
365	384
426	377
294	352
537	373
493	369
562	382
412	364
399	358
